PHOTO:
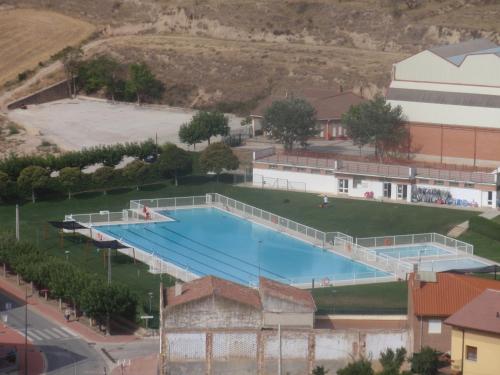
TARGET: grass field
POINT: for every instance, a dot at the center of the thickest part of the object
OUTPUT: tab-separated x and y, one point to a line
28	37
360	218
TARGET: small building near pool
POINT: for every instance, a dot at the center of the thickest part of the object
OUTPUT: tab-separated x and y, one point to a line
372	180
330	105
475	335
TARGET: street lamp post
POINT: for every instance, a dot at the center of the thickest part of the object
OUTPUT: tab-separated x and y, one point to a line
150	298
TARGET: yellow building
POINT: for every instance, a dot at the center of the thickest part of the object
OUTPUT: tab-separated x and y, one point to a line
475	337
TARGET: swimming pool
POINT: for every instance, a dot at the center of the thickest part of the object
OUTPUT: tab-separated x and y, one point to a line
450	264
412	251
208	241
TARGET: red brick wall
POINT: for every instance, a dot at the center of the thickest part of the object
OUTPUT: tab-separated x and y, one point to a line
455	141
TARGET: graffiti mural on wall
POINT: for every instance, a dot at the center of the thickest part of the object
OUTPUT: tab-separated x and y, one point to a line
438	196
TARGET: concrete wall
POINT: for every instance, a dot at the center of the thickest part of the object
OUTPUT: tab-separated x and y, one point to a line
429	67
296	180
49	94
488	359
212	313
272	319
257	352
471	195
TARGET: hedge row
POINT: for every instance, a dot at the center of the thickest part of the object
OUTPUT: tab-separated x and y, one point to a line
485	227
85	291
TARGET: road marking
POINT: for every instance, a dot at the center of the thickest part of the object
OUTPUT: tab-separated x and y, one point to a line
33	336
50	333
44	335
61	332
70	332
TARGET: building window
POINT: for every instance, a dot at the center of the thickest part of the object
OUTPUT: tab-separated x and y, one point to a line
315	171
468	185
438	182
402	191
453	183
490	198
273	166
356	181
329	171
287	168
387	189
471	353
343	185
300	169
435	326
423	181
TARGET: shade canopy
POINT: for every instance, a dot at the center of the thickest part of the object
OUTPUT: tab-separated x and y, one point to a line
114	244
67	225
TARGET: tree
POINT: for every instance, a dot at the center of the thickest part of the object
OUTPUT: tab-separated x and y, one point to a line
360	367
175	161
71	59
33	178
320	370
70	178
192	133
136	171
392	361
426	362
143	83
376	122
98	73
215	123
4	183
103	176
218	157
291	121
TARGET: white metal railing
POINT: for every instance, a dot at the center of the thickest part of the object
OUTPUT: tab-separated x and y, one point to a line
119	217
168	203
349	278
392	265
453	245
281	223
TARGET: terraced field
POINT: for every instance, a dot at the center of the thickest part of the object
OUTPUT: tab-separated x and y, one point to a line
28	37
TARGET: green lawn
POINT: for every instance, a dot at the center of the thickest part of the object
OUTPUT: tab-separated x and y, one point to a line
483	246
355	217
363	299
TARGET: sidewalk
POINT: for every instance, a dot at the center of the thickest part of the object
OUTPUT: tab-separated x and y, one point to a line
36	360
142	365
39	305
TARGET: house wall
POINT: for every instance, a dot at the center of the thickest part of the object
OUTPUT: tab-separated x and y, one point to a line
305	319
471	195
422	337
212	313
429	67
257	352
488	349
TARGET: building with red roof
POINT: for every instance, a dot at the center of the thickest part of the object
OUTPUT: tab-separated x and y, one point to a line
434	297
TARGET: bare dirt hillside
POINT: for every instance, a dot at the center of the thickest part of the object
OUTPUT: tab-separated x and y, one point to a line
28	37
234	52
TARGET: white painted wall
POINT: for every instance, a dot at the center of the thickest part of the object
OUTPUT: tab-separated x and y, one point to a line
296	180
427	66
292	346
335	346
430	86
450	114
231	345
381	341
186	346
479	196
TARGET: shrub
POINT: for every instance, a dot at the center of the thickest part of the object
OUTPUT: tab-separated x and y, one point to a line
426	362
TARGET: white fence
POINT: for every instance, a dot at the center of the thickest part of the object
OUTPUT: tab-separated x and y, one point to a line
278	183
452	245
168	203
119	217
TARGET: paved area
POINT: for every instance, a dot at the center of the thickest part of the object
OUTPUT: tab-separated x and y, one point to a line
83	122
10	337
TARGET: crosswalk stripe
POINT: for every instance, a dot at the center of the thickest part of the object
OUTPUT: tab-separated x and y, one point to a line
61	332
44	335
70	332
33	336
50	333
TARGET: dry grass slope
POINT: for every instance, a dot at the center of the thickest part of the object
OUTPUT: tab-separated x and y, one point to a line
30	36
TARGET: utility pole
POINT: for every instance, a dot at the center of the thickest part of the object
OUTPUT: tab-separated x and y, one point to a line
109	266
17	222
279	355
26	332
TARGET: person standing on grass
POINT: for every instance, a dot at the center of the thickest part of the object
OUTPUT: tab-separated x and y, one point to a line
325	201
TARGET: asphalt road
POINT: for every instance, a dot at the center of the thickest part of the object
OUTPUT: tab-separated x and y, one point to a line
64	351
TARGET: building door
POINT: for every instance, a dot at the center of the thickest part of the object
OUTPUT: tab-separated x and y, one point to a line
343	185
387	189
490	198
402	191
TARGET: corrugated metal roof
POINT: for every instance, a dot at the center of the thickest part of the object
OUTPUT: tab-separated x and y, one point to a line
456	53
482	313
444	97
449	294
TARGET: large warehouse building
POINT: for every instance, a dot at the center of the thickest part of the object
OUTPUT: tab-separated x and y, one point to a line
451	98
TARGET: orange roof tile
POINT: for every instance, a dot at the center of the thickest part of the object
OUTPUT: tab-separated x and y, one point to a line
213	286
448	294
286	292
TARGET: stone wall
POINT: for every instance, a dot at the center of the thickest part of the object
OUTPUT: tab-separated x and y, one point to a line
55	92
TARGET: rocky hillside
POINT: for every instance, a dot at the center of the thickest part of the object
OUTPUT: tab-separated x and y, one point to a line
235	52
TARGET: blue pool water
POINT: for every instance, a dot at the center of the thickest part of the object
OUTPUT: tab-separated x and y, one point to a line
208	241
450	264
412	251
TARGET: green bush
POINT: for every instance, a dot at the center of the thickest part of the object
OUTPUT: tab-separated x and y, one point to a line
485	227
85	291
426	362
